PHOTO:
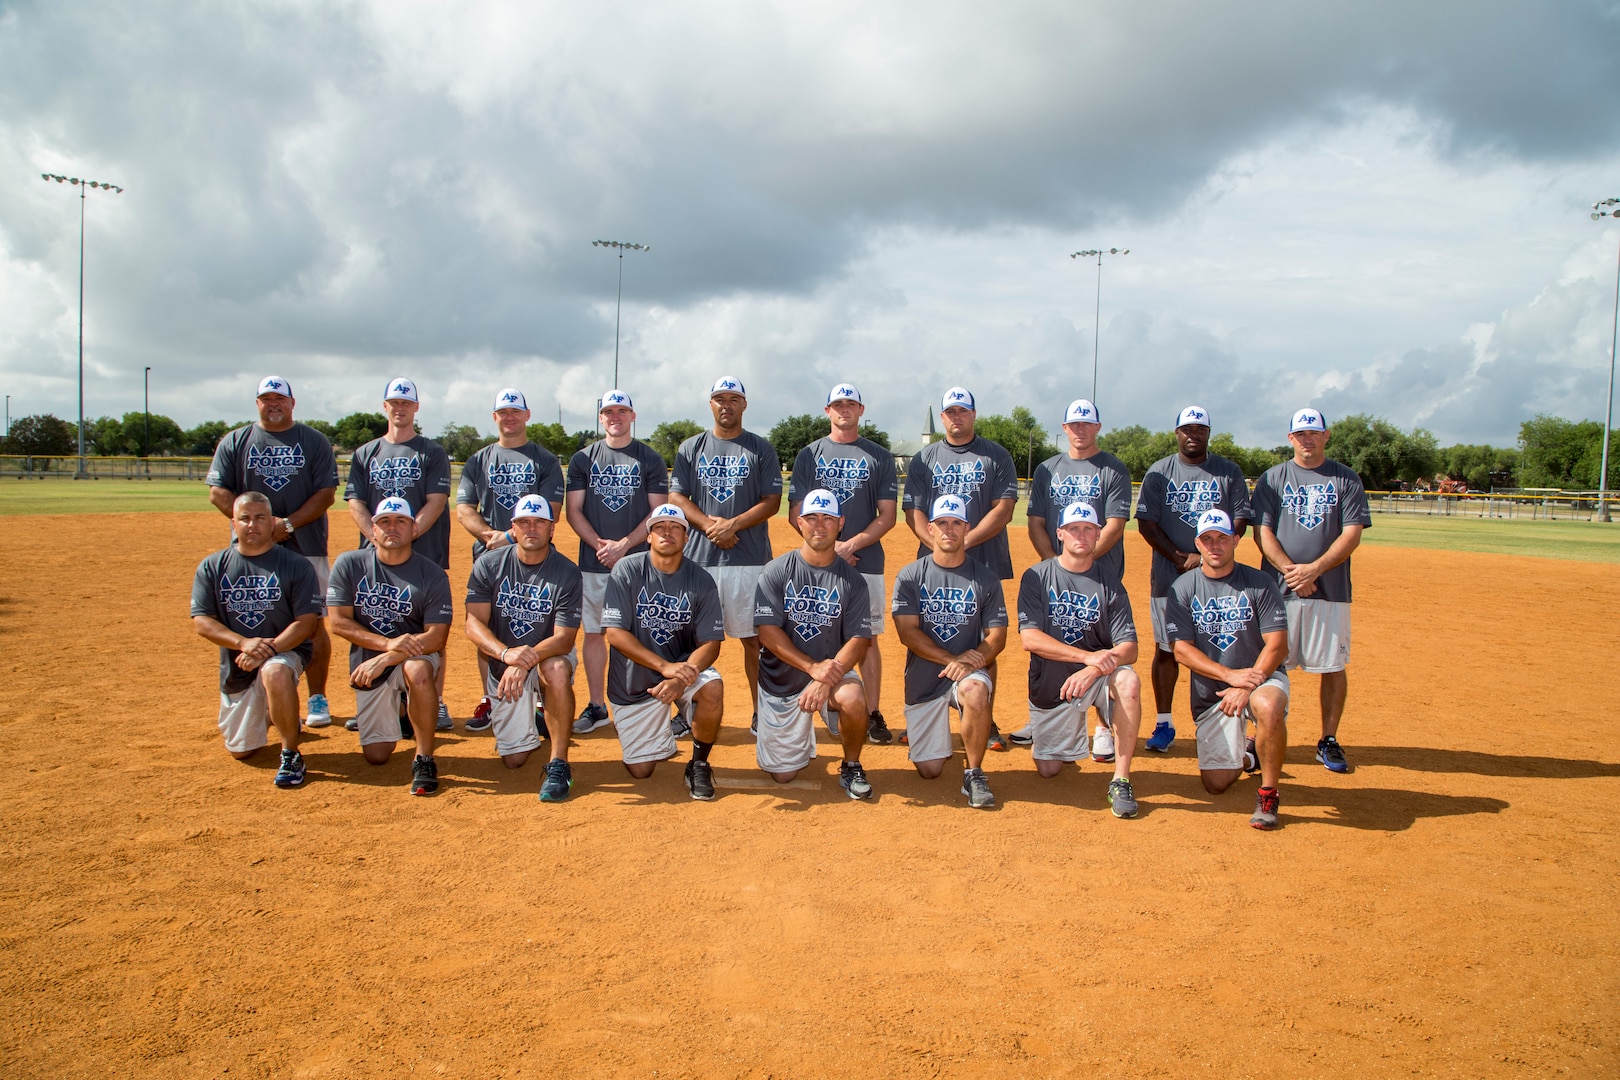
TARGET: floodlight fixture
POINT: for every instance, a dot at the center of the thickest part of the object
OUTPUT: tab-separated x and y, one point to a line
618	305
1096	336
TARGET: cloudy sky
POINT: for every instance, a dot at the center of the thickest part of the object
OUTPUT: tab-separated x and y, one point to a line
1373	207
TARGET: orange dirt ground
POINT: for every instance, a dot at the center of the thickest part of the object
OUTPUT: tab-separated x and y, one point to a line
1448	908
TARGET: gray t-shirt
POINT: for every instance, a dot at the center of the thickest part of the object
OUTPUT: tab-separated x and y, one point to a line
979	472
496	477
388	600
1175	493
1225	619
821	608
1101	481
616	484
1086	610
411	470
724	478
955	605
671	614
526	603
861	474
287	466
1308	510
256	596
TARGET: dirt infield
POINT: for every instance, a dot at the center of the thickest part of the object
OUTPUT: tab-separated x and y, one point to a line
1449	908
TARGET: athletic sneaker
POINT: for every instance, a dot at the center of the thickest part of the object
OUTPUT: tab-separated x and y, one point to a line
1164	733
1024	736
852	778
444	723
830	715
997	741
591	717
753	725
1102	746
679	725
877	729
976	786
1331	755
481	717
320	713
424	776
352	724
1251	758
1265	809
291	773
904	738
559	781
1121	797
700	780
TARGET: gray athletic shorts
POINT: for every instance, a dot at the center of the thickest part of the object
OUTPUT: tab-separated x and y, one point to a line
1221	738
928	723
592	588
874	590
1318	635
786	740
1157	605
377	708
643	726
513	721
1060	733
736	585
244	718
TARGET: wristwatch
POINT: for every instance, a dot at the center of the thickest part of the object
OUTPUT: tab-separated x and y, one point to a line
286	523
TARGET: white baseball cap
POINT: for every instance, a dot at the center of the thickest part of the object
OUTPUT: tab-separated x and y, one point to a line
727	384
1193	414
957	398
532	506
820	501
401	389
1076	513
1308	420
393	505
1214	521
667	512
1082	411
844	392
949	506
615	397
511	398
274	384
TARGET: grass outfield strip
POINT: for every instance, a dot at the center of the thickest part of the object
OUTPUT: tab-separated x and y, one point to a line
105	496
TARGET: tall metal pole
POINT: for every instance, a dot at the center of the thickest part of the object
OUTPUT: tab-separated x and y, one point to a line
146	408
1608	208
1096	335
618	305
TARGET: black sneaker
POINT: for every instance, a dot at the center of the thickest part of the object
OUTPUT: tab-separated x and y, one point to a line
753	725
877	730
1331	755
291	773
997	741
481	717
1251	758
700	780
559	781
852	778
424	776
590	718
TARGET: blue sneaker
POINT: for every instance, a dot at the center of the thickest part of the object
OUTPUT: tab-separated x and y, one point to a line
320	713
291	773
558	783
1331	755
1164	734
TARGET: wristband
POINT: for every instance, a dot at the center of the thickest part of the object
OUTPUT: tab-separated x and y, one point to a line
510	539
504	651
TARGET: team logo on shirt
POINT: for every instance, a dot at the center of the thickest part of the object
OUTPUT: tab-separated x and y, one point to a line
524	605
1310	503
661	615
381	606
248	597
960	478
1222	618
946	610
1068	490
509	481
721	474
843	476
396	475
1072	613
1189	499
615	483
276	464
811	609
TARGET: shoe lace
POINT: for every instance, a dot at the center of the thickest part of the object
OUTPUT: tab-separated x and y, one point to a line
1270	802
854	770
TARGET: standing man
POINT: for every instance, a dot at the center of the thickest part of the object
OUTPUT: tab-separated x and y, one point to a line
1175	493
1101	481
613	484
393	607
861	476
257	602
982	475
405	465
1310	513
1228	625
728	483
952	619
812	615
492	481
1075	621
522	614
664	626
292	465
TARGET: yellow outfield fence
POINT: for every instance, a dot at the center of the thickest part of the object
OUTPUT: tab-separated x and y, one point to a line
1527	505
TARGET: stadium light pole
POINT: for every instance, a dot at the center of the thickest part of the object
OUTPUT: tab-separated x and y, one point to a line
146	417
622	246
1600	210
1096	334
82	185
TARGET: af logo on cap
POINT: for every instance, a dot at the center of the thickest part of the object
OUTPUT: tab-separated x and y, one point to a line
1082	411
1193	414
667	512
532	506
1075	513
957	398
511	398
727	384
1308	420
616	397
844	392
275	384
401	390
1214	521
393	505
949	506
820	501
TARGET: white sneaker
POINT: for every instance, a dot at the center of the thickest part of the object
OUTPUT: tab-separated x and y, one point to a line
320	713
1102	746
